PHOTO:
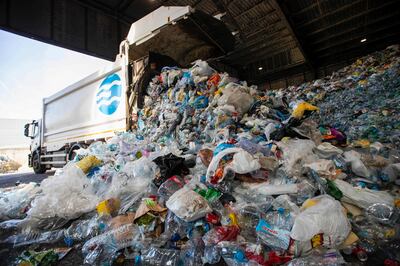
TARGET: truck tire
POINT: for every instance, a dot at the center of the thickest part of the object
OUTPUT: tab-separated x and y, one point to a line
37	167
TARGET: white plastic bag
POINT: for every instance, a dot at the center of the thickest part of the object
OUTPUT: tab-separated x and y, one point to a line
325	150
14	201
188	205
243	163
322	214
201	68
357	166
267	190
363	197
212	167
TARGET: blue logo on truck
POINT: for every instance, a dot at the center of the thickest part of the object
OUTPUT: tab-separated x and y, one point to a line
108	95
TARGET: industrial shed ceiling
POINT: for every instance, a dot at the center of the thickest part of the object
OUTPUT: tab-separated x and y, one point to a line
273	38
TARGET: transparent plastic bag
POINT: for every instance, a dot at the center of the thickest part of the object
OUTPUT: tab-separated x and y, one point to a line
363	197
35	237
65	196
14	202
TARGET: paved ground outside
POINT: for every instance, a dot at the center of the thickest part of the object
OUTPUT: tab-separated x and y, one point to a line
9	180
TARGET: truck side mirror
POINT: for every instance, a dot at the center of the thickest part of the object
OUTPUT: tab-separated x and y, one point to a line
26	131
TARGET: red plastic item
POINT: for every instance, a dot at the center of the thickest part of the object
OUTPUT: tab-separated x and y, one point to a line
212	218
389	262
273	258
213	80
232	141
227	233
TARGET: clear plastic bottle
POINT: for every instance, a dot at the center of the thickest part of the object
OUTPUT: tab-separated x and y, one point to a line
211	254
104	246
159	257
233	252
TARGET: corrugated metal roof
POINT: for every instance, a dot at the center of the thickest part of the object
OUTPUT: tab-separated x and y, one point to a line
283	34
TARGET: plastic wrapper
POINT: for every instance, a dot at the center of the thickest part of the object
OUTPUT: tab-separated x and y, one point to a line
392	171
296	153
65	196
215	161
33	237
357	166
363	197
159	257
237	96
15	202
268	190
221	233
326	150
383	213
188	205
325	168
243	163
83	229
321	214
273	236
301	108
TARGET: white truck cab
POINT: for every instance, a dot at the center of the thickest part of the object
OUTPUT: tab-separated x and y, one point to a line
106	101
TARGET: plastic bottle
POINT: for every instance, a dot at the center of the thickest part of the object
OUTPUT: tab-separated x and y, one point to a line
274	237
159	257
211	254
104	246
233	252
221	233
192	255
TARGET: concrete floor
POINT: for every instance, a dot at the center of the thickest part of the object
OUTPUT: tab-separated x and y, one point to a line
8	180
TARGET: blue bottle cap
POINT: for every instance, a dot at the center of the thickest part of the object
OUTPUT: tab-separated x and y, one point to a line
138	260
68	241
239	256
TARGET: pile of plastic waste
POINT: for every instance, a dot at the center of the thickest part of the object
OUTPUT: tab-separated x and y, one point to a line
8	165
361	99
217	171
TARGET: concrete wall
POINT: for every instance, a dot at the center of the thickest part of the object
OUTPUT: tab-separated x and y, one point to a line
13	143
19	154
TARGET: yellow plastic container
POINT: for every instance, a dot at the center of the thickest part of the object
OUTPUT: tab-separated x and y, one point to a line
108	207
87	163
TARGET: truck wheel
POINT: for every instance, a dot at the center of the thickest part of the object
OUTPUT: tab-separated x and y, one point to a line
37	167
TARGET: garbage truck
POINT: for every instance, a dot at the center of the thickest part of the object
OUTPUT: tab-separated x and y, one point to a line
107	101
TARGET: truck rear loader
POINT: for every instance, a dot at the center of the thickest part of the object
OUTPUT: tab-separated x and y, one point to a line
105	102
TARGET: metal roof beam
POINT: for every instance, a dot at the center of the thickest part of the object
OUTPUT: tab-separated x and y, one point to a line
356	28
260	53
270	52
288	23
333	12
247	51
94	5
359	36
346	52
250	9
221	6
385	4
